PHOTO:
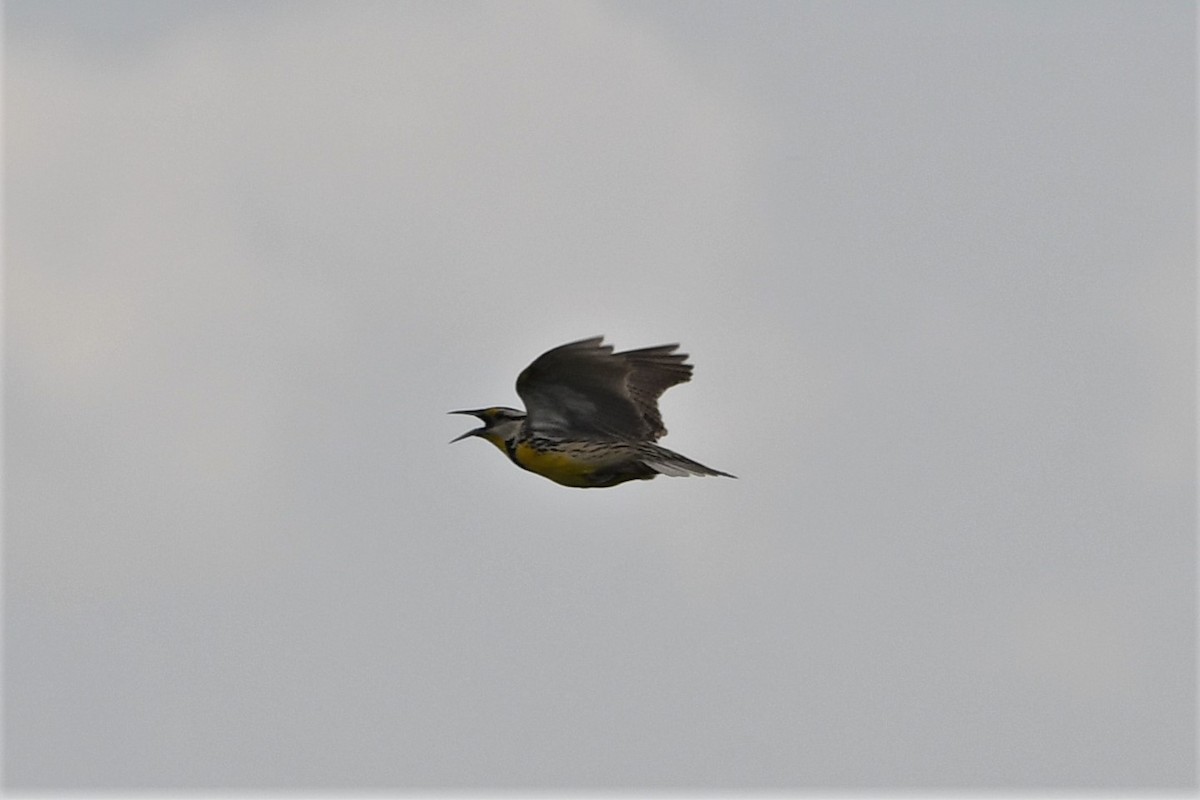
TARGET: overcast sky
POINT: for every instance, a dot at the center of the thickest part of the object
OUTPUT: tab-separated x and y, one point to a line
935	265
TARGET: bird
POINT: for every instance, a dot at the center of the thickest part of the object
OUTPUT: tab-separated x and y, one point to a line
591	416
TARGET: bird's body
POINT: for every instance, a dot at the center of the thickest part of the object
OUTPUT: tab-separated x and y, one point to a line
592	416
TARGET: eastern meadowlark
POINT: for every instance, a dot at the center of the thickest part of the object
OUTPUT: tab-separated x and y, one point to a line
591	415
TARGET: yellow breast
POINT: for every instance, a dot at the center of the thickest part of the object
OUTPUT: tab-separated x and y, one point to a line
557	465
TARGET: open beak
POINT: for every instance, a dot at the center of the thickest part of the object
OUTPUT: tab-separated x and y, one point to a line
470	433
466	435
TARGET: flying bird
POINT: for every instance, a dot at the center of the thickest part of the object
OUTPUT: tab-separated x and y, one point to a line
591	416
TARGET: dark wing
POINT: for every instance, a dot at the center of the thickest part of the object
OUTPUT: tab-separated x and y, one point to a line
584	389
653	371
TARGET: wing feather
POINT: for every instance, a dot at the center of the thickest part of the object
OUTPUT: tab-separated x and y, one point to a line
585	389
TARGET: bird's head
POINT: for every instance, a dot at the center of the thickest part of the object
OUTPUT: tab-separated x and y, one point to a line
500	424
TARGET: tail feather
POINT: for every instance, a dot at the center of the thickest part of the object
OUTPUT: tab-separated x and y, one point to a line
672	464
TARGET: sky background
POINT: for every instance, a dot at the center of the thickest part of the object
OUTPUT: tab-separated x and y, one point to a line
934	261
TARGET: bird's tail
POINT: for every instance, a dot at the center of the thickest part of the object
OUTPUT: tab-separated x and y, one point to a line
668	462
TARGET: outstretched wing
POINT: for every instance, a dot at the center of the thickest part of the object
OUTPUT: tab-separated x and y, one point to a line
584	389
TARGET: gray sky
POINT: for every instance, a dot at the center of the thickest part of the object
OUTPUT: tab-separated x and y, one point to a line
934	263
